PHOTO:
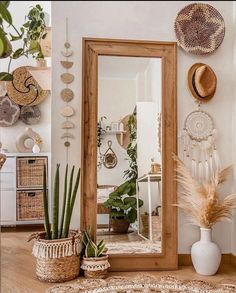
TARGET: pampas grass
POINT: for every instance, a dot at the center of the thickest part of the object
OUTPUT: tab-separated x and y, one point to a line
200	201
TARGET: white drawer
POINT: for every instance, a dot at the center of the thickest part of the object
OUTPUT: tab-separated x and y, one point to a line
9	165
7	181
8	206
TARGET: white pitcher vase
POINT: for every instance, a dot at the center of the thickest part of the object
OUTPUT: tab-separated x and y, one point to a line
206	254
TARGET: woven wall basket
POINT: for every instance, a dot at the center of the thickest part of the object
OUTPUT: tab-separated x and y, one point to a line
57	260
199	28
24	89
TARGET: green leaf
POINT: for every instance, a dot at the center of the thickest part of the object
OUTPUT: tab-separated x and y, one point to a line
132	201
5	3
5	14
115	213
86	238
15	38
114	195
101	249
18	53
132	215
91	249
5	76
140	203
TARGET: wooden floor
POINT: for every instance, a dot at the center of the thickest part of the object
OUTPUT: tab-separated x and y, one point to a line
18	267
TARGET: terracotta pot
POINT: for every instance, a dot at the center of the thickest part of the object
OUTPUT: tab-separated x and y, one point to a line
95	267
120	225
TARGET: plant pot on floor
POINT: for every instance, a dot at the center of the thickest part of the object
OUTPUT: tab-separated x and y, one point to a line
57	260
120	225
206	254
95	267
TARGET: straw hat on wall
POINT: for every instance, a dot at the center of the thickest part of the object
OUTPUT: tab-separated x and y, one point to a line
202	81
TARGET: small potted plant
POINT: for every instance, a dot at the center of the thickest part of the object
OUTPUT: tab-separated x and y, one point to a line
95	262
57	250
123	204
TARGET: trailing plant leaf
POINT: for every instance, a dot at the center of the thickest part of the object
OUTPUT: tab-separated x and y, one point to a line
4	12
5	76
18	53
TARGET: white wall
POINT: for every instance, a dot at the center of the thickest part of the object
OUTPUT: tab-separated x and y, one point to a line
116	99
19	9
147	20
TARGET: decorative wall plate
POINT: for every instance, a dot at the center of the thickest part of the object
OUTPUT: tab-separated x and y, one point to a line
9	112
30	115
199	28
24	90
67	64
199	125
67	95
67	111
67	78
67	125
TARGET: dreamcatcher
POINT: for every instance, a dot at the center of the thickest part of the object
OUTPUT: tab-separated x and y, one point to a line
199	141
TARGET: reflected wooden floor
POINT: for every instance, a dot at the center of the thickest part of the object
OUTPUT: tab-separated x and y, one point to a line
128	243
18	267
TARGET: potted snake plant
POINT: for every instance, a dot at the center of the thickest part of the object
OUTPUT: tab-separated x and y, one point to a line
57	249
95	260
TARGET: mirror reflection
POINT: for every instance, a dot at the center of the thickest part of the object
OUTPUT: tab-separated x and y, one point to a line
129	199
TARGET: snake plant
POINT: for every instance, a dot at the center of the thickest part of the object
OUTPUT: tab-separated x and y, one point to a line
69	196
91	249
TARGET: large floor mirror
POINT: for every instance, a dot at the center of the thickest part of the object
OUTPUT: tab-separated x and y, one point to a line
129	135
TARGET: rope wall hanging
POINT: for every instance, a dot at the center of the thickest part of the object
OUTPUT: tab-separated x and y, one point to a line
67	94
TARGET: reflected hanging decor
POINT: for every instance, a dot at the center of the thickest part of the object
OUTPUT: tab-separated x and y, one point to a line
200	144
110	158
67	94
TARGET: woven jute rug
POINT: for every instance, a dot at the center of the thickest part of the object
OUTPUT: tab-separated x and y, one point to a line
141	283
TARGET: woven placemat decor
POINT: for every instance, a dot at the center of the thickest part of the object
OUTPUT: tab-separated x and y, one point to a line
199	28
141	283
9	112
24	89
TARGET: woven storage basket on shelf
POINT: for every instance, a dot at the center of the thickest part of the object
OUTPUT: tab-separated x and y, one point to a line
57	260
29	205
95	267
156	226
30	171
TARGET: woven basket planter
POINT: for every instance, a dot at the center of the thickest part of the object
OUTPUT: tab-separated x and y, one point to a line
156	226
95	267
57	260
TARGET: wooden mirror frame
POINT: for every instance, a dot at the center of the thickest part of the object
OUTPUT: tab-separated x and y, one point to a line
92	48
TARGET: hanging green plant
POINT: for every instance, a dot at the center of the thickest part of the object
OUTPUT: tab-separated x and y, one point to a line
31	33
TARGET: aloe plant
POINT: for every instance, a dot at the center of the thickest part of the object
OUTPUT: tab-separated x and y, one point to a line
91	249
69	197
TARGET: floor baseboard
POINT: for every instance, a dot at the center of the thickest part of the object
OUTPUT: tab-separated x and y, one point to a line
227	258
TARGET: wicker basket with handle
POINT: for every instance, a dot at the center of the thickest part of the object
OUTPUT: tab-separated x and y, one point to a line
57	260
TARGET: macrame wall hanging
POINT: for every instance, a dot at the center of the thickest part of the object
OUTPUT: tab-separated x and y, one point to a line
199	139
67	94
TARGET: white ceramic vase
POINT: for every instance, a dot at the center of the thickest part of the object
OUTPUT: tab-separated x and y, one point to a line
206	255
36	149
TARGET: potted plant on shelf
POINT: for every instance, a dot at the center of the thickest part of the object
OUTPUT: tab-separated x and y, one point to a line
122	201
32	33
95	262
204	207
57	250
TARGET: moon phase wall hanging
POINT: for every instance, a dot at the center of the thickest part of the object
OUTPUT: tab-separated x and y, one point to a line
67	94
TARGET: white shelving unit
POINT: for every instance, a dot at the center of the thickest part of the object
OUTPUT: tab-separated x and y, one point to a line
8	188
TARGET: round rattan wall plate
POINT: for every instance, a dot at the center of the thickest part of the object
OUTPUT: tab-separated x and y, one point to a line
24	89
199	28
199	125
9	112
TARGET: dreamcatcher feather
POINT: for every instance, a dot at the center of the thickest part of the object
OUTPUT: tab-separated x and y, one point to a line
199	141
